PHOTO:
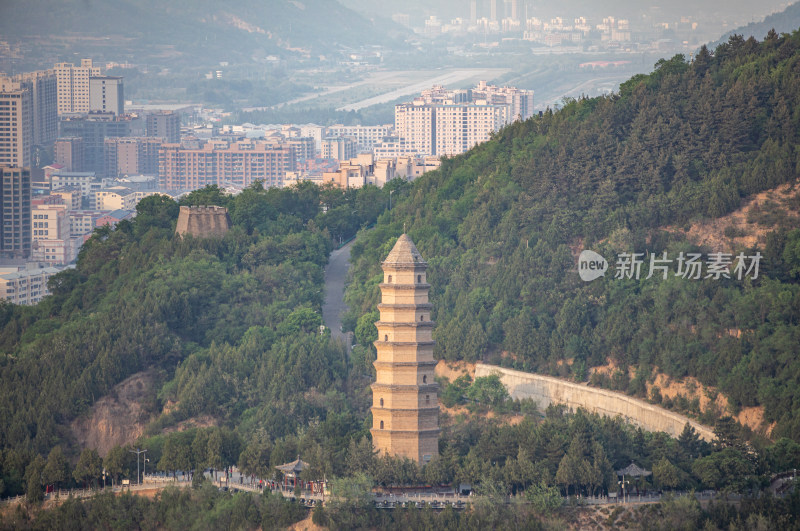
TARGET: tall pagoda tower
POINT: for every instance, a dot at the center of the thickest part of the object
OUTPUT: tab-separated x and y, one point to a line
405	408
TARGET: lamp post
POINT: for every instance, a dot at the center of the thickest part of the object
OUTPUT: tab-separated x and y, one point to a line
145	461
137	452
390	198
622	484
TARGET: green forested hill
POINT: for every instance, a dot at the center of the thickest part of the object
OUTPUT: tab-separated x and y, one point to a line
501	227
230	325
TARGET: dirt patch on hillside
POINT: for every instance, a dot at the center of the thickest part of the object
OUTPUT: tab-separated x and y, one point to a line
454	369
748	226
708	398
117	418
306	525
202	421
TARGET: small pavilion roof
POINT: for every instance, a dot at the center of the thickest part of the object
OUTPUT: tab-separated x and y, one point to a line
295	467
404	252
633	470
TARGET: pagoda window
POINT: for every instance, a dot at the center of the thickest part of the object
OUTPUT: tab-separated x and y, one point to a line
381	402
424	379
381	424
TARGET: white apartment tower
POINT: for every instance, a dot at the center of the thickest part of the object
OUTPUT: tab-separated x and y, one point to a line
450	122
106	94
73	85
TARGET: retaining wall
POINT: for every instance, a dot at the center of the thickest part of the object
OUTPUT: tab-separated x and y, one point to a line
546	390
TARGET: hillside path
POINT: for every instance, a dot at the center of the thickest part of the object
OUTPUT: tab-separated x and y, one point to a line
335	276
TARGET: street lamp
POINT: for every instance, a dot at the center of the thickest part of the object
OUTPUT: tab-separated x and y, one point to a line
622	484
137	452
390	198
145	461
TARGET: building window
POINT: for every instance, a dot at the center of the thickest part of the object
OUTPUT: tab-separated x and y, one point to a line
386	337
427	399
425	379
381	402
421	317
390	279
381	424
419	279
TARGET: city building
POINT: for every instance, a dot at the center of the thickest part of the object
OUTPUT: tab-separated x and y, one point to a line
218	162
305	148
94	129
365	136
25	285
73	86
69	153
131	156
112	218
15	196
106	94
317	132
16	123
70	196
118	198
338	148
405	408
50	232
164	124
450	122
43	89
83	222
82	180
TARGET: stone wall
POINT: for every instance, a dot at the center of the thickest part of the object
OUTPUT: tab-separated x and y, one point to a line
203	221
546	390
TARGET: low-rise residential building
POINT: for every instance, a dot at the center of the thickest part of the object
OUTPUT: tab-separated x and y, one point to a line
25	286
73	179
119	198
70	195
365	136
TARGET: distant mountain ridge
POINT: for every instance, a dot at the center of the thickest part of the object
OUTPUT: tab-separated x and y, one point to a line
205	29
786	21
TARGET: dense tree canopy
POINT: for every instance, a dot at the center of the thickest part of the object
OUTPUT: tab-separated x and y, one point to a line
502	226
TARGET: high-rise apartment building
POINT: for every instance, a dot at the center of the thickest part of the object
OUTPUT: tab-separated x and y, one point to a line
106	94
15	197
217	162
73	86
405	408
44	104
450	122
69	153
164	124
16	124
94	129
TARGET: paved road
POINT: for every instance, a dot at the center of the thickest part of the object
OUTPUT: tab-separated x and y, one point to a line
335	276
